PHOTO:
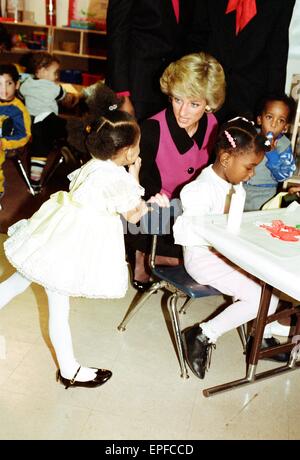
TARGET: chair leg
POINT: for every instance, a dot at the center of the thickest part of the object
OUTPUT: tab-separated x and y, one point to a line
185	306
133	310
177	333
24	174
243	335
48	177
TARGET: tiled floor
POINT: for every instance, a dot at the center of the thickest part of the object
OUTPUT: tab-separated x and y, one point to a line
146	398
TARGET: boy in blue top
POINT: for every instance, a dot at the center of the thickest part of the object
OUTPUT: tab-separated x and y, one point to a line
275	114
14	117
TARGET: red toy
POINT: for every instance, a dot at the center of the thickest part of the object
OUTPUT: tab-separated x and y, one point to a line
279	230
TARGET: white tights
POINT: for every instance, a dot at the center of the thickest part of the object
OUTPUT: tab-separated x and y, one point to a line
215	270
59	329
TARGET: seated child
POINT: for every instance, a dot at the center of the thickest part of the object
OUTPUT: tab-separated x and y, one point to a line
42	93
239	150
275	114
14	116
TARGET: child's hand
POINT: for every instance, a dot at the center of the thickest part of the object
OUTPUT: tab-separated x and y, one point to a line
161	199
295	189
70	100
134	169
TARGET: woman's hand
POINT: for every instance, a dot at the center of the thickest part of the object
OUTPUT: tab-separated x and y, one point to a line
161	199
134	169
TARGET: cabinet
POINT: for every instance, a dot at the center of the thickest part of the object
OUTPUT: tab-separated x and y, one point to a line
78	49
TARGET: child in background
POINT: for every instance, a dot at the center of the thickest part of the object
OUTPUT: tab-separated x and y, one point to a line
275	114
14	117
42	93
239	150
74	244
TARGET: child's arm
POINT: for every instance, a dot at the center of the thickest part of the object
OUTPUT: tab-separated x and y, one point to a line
134	215
70	100
294	189
280	161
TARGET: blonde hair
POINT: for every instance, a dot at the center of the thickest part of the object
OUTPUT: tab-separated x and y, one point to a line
195	76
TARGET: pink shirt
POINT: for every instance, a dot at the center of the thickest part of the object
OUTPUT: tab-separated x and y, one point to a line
177	169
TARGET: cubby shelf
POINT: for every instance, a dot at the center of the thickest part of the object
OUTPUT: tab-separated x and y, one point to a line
78	49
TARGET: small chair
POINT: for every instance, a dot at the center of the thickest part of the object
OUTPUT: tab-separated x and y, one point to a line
171	278
61	156
16	156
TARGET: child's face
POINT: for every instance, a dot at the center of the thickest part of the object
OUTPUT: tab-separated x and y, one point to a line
134	152
50	73
240	168
274	118
7	87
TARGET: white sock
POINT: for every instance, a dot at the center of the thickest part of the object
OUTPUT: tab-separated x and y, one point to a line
267	332
10	288
60	335
213	336
209	332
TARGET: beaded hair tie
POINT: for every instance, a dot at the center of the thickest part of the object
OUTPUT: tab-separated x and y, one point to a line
230	139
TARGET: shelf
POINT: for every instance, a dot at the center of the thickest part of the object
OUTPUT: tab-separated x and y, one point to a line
78	49
84	56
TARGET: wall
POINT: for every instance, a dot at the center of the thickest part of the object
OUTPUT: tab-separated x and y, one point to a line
39	9
294	48
294	51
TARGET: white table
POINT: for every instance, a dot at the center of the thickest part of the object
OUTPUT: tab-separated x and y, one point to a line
275	262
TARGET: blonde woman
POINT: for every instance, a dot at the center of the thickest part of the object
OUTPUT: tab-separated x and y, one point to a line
177	142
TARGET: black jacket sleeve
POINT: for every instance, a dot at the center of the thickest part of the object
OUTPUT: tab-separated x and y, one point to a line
149	173
118	22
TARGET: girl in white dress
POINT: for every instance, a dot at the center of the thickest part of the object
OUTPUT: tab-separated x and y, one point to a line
74	244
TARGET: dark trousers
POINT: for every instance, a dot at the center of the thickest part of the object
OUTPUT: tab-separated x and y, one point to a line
45	133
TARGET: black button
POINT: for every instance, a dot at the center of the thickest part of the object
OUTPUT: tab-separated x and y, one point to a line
191	170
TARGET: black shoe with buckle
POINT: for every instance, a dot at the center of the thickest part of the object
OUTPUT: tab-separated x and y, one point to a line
197	350
141	286
282	357
102	375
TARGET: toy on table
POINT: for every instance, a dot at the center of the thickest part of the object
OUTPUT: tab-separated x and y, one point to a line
278	229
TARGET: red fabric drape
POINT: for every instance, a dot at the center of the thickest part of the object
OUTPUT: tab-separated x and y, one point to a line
176	9
245	11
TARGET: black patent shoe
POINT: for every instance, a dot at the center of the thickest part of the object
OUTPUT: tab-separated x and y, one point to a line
197	350
141	286
102	375
282	357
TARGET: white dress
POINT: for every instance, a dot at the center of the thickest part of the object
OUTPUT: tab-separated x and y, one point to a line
74	244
